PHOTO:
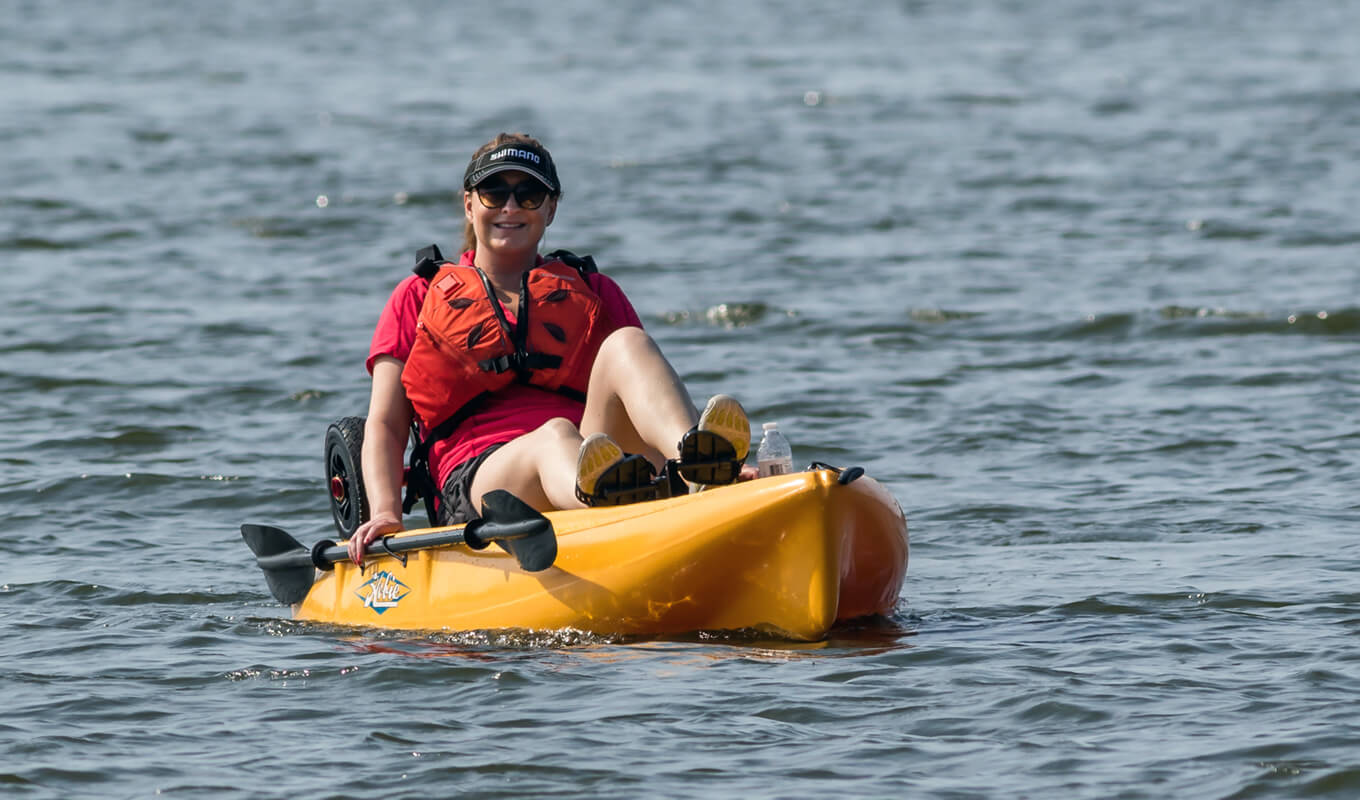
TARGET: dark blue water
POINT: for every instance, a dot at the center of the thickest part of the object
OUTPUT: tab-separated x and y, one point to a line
1077	281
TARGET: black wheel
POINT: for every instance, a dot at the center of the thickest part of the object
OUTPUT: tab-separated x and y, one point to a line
344	481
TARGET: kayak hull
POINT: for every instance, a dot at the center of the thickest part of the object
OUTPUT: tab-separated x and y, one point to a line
789	555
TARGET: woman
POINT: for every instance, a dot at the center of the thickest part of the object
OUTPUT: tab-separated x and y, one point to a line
544	392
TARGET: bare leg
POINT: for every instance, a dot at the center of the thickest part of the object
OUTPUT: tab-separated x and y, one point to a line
636	397
538	468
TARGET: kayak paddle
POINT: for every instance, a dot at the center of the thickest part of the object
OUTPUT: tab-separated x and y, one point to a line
520	530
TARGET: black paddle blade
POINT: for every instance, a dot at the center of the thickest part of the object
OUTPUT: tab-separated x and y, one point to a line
517	527
287	564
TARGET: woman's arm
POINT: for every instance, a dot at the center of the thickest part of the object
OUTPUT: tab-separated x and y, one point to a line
385	434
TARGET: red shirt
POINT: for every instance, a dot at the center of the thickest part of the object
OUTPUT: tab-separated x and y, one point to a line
509	413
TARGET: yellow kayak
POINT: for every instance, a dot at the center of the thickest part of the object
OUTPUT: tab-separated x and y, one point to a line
788	555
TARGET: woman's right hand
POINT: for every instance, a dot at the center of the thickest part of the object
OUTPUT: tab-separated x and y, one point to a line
381	525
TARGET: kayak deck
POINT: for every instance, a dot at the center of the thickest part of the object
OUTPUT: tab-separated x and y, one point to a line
788	555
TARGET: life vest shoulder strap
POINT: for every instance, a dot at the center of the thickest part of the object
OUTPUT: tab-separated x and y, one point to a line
429	260
582	264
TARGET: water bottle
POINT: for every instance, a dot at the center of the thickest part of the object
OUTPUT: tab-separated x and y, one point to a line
774	457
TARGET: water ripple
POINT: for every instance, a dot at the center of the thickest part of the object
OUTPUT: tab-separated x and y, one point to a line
1076	283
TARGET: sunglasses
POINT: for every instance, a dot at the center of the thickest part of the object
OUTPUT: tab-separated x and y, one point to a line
528	194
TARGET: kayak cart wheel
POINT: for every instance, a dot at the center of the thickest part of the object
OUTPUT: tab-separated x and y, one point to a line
344	481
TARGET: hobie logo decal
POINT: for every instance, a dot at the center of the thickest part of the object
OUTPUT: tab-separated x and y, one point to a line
382	591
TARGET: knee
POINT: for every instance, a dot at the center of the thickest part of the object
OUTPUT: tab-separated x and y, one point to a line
558	429
627	342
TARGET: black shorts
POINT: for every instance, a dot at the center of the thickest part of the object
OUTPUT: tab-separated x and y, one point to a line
455	506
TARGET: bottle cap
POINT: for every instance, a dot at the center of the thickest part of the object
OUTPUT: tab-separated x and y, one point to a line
770	426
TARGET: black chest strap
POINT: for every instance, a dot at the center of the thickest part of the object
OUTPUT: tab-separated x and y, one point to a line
420	481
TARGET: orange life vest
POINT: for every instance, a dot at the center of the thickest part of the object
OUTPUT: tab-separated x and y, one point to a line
465	347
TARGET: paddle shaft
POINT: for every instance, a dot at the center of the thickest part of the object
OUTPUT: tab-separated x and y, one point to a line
520	530
505	531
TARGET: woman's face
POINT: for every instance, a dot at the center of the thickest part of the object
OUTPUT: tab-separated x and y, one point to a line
509	229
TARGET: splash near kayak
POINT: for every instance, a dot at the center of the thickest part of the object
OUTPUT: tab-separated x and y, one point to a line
789	555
